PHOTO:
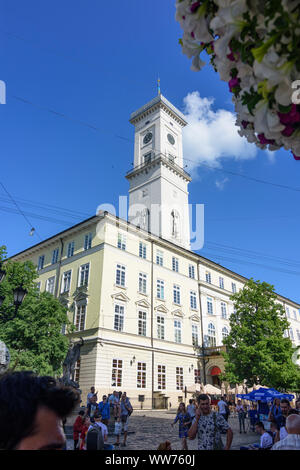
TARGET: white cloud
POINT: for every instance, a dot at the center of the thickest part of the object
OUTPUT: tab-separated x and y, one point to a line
211	135
221	183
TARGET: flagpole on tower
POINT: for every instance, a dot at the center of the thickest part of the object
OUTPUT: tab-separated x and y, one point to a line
158	86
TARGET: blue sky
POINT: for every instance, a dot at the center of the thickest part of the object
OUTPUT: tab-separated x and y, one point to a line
95	63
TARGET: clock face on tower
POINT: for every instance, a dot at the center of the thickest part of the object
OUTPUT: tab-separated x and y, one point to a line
171	139
147	138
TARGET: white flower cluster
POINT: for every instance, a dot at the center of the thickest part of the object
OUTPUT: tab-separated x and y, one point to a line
256	50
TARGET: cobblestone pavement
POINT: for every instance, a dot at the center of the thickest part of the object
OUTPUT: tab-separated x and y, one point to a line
150	427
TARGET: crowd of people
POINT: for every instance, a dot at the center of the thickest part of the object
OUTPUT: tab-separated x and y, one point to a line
95	418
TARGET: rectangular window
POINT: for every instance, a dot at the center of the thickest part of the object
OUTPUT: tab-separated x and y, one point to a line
55	254
41	262
176	294
80	317
179	378
142	327
160	289
70	251
197	375
195	335
66	281
119	317
147	157
208	277
160	327
221	282
159	258
223	310
84	275
210	309
175	264
192	271
288	311
161	377
177	331
121	241
50	285
88	241
77	371
142	250
193	299
295	314
116	375
142	283
141	375
120	275
291	334
233	287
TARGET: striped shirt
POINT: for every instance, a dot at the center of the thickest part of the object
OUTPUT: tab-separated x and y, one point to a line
291	442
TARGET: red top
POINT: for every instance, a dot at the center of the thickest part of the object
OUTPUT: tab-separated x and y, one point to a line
77	427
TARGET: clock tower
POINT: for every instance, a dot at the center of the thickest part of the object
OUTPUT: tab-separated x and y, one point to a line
158	194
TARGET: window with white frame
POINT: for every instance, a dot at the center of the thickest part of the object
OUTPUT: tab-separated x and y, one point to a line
41	262
121	241
161	377
70	249
77	371
176	294
88	241
142	323
119	317
225	332
177	331
223	310
80	317
120	275
159	257
210	309
160	289
116	374
298	335
288	312
50	284
66	281
142	250
179	378
233	287
193	299
147	157
291	334
160	326
195	338
211	335
191	271
84	274
175	264
208	277
295	314
221	282
142	283
141	375
55	254
197	376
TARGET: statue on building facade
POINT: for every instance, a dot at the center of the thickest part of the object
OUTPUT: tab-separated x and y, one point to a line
69	363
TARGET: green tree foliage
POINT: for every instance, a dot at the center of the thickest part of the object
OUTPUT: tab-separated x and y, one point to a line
34	336
256	349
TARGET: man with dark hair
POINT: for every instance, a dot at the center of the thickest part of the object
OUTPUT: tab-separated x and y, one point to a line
266	440
209	425
31	411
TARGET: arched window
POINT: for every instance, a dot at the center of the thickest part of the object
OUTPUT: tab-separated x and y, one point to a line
225	332
211	335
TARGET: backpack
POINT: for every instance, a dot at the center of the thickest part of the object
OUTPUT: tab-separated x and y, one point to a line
94	438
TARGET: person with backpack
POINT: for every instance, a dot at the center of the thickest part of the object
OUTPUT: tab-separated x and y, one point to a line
97	435
126	411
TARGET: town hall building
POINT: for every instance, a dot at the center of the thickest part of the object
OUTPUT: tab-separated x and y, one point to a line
153	314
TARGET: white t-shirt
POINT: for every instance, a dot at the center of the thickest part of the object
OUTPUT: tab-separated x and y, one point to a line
103	428
266	440
221	406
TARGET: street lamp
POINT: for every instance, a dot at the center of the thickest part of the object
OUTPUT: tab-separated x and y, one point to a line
19	295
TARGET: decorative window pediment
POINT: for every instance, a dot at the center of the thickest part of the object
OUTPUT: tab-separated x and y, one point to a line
80	294
178	313
120	296
161	308
195	318
143	303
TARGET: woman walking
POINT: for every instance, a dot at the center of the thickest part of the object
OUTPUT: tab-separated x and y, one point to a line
184	424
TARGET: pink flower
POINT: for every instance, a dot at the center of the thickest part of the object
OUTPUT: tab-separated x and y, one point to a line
295	156
288	131
245	124
263	140
233	83
289	118
194	6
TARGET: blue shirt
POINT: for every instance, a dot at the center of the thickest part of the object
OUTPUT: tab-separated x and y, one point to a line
104	410
124	410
